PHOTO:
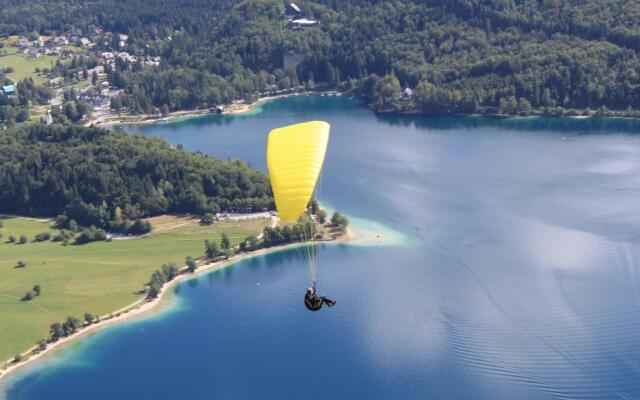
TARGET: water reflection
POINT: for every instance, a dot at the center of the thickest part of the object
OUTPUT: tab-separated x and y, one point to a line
512	271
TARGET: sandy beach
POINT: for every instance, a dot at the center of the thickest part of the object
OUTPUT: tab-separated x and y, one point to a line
237	108
142	306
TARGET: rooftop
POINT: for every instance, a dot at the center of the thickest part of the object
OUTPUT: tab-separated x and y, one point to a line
304	21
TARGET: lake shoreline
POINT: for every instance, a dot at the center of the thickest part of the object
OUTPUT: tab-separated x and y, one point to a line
236	108
241	108
144	307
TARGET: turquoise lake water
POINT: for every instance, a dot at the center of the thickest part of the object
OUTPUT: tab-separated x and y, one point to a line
507	268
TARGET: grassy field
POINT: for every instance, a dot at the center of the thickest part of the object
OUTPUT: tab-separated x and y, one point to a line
24	66
99	277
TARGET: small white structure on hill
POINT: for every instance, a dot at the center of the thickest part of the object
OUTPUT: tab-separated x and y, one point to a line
303	23
293	11
407	93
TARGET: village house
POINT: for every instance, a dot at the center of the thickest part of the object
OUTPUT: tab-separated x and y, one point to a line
407	93
23	43
297	18
122	40
127	57
34	52
54	51
152	61
56	81
293	11
60	40
9	90
99	70
94	97
304	23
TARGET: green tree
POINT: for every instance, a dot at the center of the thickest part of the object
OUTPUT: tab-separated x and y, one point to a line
71	325
211	250
170	271
250	243
387	93
23	115
339	219
314	207
207	219
56	331
89	318
225	243
322	216
228	253
192	264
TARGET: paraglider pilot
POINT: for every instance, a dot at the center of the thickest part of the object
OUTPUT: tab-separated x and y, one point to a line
314	302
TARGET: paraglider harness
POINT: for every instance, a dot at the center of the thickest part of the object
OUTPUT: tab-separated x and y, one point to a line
313	302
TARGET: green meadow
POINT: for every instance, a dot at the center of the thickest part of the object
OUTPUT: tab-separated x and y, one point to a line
24	66
98	277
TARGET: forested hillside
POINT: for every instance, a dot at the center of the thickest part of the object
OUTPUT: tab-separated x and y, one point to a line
109	179
458	56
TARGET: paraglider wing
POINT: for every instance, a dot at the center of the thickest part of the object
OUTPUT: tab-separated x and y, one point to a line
295	155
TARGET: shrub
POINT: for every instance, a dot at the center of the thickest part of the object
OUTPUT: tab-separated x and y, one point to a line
192	264
91	234
63	236
139	227
43	237
207	219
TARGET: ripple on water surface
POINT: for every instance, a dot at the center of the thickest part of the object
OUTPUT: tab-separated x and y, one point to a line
509	271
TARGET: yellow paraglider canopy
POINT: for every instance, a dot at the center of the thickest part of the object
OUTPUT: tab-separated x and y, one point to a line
295	155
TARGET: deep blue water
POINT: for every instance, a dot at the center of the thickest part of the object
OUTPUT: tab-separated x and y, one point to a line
518	278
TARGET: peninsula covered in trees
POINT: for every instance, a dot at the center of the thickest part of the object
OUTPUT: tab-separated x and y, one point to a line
110	180
453	56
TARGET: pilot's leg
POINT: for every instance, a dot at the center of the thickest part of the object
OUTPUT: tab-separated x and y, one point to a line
328	302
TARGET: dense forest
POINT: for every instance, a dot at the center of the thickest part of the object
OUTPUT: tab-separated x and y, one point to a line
110	179
457	56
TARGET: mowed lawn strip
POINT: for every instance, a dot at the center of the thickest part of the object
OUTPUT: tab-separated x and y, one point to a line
98	277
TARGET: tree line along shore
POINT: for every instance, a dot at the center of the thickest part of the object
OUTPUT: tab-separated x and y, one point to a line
435	57
85	191
220	247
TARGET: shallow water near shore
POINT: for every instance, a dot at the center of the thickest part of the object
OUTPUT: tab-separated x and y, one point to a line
500	263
